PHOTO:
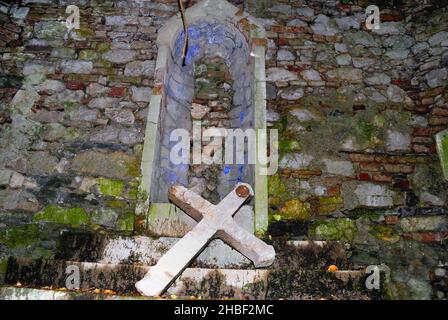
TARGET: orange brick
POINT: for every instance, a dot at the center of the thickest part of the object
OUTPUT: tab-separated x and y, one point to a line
360	157
370	166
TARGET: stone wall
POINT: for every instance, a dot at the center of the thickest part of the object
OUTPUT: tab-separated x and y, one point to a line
210	109
356	110
72	114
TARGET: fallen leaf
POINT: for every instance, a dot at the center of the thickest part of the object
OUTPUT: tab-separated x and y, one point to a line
332	268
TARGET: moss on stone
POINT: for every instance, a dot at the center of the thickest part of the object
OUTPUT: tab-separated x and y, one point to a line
132	193
295	210
88	55
334	230
276	187
74	217
104	217
133	168
116	204
277	190
110	187
329	204
126	79
286	146
70	106
85	32
126	222
330	200
142	195
71	134
365	130
3	265
384	233
372	214
103	47
20	236
108	65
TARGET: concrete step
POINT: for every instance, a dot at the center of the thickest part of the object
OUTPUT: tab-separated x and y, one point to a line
15	293
78	246
120	278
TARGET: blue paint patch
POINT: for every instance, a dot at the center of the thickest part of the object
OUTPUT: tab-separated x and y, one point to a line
242	116
193	51
169	176
227	170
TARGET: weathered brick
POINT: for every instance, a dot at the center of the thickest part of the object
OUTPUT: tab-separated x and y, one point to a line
391	220
398	168
381	178
359	157
117	92
370	166
75	85
363	176
439	111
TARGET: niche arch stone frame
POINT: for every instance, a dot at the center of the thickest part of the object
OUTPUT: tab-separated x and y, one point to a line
216	18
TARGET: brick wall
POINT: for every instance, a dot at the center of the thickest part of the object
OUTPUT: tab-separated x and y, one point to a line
356	110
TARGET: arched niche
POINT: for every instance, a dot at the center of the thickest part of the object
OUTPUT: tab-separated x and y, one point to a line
215	28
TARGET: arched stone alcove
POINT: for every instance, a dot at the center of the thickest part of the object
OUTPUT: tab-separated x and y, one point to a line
215	29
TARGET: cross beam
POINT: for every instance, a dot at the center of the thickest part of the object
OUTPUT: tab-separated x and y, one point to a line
214	221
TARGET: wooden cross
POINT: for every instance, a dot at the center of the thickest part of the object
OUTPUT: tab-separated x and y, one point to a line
214	221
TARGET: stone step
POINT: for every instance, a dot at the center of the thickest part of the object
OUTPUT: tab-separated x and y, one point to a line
142	250
205	283
15	293
120	278
76	246
305	243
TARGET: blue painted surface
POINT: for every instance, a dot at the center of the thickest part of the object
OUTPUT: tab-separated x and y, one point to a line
202	36
242	116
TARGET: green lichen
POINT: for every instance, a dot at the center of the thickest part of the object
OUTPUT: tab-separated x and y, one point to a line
276	187
126	222
277	190
103	47
142	195
365	130
133	168
329	204
126	79
70	106
71	134
330	200
334	230
85	32
281	125
295	210
384	233
104	217
132	193
20	236
88	55
74	217
3	265
110	187
106	64
116	204
286	146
